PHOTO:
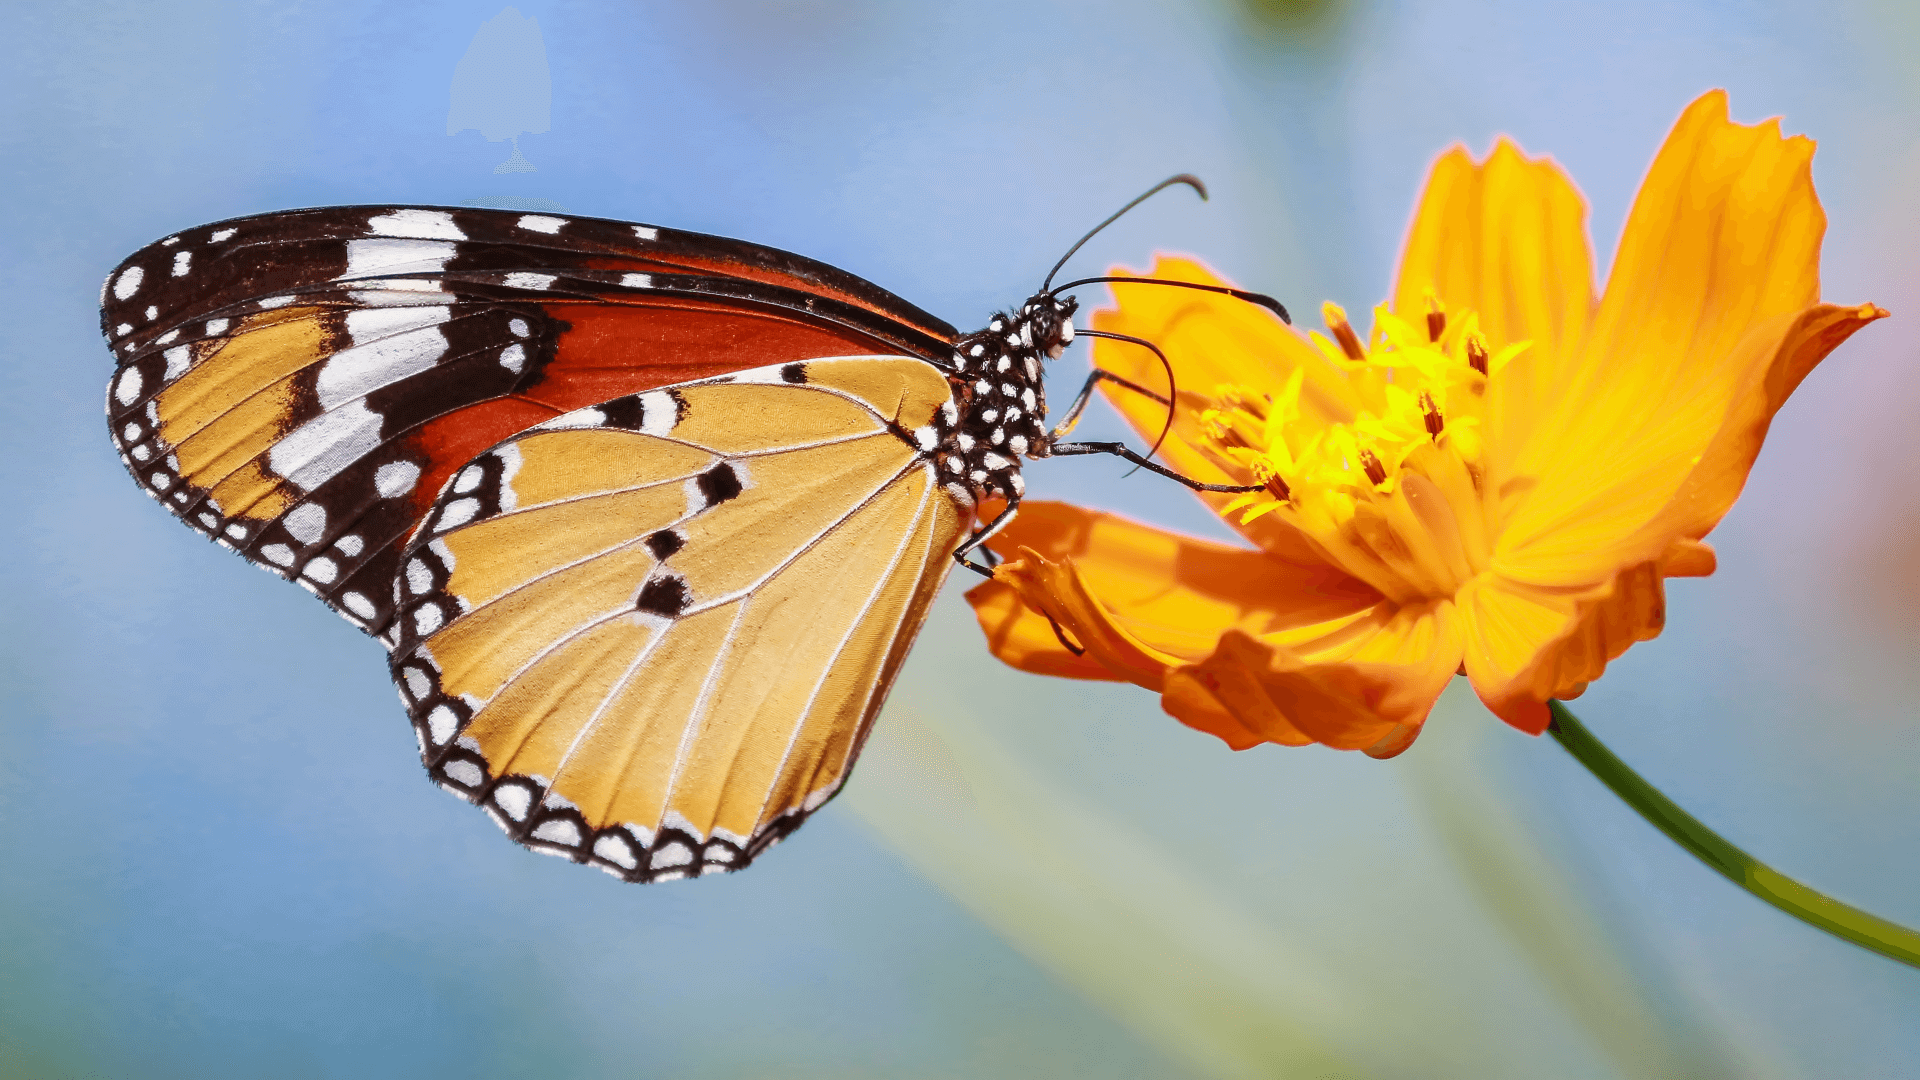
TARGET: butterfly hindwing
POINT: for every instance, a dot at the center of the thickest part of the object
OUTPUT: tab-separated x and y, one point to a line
652	634
297	386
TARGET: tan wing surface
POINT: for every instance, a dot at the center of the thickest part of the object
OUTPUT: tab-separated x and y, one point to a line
652	634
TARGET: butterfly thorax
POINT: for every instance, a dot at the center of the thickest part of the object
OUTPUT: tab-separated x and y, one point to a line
999	400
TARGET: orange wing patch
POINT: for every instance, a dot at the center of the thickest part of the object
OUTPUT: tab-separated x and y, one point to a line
652	635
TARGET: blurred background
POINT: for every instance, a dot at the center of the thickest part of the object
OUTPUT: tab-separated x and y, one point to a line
220	855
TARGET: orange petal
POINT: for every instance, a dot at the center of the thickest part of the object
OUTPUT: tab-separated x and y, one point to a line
1507	238
1253	691
1023	638
1526	644
1143	596
1723	243
1658	487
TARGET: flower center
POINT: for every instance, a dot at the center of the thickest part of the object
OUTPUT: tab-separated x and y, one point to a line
1378	456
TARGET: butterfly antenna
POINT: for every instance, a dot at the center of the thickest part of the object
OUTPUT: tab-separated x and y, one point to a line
1172	390
1260	299
1188	179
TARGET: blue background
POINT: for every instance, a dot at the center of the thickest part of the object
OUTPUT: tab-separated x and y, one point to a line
220	857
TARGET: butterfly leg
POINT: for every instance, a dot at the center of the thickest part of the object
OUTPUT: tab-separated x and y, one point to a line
1119	450
1098	375
982	536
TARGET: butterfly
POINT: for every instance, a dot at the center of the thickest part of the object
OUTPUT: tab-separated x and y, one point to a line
647	520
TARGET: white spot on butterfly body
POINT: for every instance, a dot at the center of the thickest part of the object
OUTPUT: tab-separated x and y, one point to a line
408	224
1004	364
123	330
521	279
509	456
458	513
128	388
515	799
658	412
674	854
391	344
277	554
637	281
166	337
926	437
442	722
317	450
518	327
615	850
179	358
993	461
1026	398
464	772
950	413
419	578
216	326
128	282
1018	444
322	570
646	232
427	618
560	831
417	684
275	301
221	236
376	258
513	358
170	241
469	479
578	418
348	545
153	312
142	452
237	531
306	522
541	224
182	262
394	479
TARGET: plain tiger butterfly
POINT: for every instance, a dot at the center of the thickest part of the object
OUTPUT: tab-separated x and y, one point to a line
646	519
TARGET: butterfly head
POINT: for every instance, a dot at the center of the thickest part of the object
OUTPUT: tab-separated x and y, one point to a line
1046	321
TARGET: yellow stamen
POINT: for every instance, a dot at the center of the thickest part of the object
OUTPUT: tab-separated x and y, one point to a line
1436	317
1376	472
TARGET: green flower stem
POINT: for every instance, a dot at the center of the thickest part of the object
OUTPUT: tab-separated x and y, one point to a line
1840	920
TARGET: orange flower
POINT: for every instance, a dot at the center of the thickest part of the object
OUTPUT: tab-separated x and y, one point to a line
1494	482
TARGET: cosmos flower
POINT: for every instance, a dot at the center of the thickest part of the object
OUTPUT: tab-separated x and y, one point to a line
1495	481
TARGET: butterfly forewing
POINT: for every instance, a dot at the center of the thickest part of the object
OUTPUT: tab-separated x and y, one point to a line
651	634
299	385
